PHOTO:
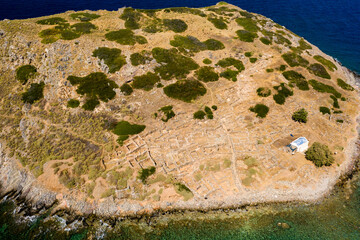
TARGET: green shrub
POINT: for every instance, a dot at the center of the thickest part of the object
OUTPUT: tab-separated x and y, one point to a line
263	92
330	65
193	44
318	70
84	17
297	78
126	89
209	113
146	81
131	17
283	93
335	101
303	45
145	173
175	25
248	24
248	54
339	121
230	74
199	114
83	28
207	74
69	35
269	70
185	90
294	60
176	65
227	62
261	110
341	83
325	110
282	68
168	112
73	103
253	60
246	14
321	87
140	58
91	104
246	36
24	73
265	41
51	21
207	61
125	37
95	86
300	116
183	191
123	129
34	93
194	11
320	155
112	58
214	107
213	45
277	38
218	22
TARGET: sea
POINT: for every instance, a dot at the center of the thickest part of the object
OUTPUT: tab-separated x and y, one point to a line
333	26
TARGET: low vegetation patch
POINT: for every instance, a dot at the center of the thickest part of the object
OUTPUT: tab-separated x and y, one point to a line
73	103
325	110
298	79
145	173
124	129
335	101
227	62
175	25
265	41
193	44
131	17
263	92
34	93
112	58
230	74
146	81
253	60
261	110
320	155
193	11
248	24
341	83
207	74
209	112
51	21
207	61
294	59
95	86
168	113
24	73
246	36
276	37
300	116
218	22
185	90
84	16
318	70
126	89
282	93
183	191
83	28
173	63
199	115
125	37
140	58
327	63
321	87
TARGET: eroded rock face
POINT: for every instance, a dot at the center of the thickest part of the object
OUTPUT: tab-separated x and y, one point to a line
52	152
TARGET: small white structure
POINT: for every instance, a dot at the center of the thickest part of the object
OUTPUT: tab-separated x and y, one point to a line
301	144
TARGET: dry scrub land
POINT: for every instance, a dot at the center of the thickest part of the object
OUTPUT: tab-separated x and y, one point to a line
152	107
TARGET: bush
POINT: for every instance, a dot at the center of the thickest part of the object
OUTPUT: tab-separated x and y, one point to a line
213	45
336	102
91	104
185	90
34	93
263	92
227	62
282	68
341	83
194	11
330	65
265	41
318	70
248	54
176	65
320	155
83	28
73	103
297	78
112	58
207	61
283	93
51	21
278	38
24	73
269	70
199	114
294	60
140	58
325	110
300	116
123	129
248	24
175	25
168	112
69	35
321	87
209	113
246	36
193	44
131	17
214	107
126	89
218	22
207	74
261	110
125	37
146	81
84	17
229	74
253	60
145	173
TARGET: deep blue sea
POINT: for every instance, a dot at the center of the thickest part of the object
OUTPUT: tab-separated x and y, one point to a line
332	25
